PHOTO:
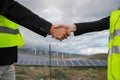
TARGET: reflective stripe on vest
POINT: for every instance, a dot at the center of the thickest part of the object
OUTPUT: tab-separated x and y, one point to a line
116	33
8	30
115	49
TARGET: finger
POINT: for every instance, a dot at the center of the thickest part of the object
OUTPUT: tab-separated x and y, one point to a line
53	37
57	37
65	36
61	37
68	33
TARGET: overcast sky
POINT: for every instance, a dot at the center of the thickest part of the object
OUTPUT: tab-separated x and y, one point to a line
70	11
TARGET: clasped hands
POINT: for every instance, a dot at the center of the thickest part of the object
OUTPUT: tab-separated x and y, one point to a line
62	31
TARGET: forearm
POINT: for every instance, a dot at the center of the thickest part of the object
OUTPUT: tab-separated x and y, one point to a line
23	16
92	26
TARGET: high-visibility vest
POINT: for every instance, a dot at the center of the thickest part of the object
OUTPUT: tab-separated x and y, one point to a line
114	47
9	34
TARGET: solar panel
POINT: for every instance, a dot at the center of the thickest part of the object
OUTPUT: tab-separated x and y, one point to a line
47	62
69	63
96	62
76	63
26	62
41	63
36	62
61	63
100	62
21	62
82	63
54	63
31	62
104	62
90	63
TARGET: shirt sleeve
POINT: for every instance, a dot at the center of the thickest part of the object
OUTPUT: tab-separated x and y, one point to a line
25	17
98	25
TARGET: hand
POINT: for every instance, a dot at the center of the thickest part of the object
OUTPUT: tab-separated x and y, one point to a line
58	32
70	28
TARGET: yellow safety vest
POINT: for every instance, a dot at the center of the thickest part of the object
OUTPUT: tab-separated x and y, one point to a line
9	34
114	47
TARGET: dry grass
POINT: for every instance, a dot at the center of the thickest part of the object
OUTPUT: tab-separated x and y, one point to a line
72	73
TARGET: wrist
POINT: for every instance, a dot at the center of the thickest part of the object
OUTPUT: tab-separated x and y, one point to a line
51	30
73	27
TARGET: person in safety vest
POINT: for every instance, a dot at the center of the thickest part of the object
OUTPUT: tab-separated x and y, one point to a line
10	37
111	22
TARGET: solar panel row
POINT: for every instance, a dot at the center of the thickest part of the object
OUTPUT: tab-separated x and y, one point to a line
65	63
35	60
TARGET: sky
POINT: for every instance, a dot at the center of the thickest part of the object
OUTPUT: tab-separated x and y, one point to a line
68	12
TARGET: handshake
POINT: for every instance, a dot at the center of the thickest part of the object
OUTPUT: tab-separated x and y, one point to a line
62	31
